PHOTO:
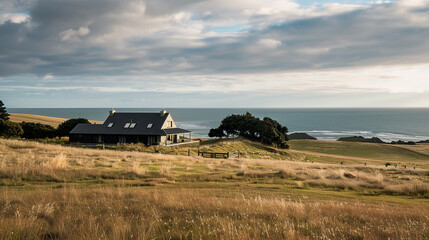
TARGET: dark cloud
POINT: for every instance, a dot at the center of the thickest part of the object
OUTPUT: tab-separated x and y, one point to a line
107	37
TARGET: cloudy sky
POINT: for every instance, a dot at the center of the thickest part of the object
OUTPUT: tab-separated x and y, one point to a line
214	53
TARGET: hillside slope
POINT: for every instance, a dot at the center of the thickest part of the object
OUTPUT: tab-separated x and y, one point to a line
53	121
51	191
370	152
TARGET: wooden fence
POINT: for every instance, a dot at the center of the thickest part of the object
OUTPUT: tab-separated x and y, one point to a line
218	155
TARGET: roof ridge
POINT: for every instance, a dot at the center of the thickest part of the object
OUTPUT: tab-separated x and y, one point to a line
137	112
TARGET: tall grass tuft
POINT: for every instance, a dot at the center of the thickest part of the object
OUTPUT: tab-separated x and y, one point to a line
287	172
135	168
165	170
58	162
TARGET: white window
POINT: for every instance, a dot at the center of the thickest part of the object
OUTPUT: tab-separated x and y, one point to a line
132	125
110	125
127	125
150	125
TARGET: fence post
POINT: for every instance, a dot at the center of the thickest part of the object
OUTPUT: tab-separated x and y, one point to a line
238	154
189	152
227	155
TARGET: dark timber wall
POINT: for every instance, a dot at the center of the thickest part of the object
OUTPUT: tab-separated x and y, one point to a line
108	139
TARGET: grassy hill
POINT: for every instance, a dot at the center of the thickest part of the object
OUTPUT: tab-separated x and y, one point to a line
351	152
348	153
53	121
53	191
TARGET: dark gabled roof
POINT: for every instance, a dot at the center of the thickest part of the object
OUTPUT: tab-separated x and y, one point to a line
169	131
87	128
142	120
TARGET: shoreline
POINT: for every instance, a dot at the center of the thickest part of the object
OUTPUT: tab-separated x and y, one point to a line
200	129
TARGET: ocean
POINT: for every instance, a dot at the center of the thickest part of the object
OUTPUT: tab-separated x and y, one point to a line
388	124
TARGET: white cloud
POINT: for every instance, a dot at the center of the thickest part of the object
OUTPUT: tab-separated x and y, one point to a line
270	43
74	35
413	3
311	50
48	76
13	17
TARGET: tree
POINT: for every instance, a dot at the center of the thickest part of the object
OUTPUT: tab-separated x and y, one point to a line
37	130
274	133
3	112
65	127
10	129
216	132
267	131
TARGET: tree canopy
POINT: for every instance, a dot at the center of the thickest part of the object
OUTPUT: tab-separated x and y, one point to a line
267	130
3	112
65	127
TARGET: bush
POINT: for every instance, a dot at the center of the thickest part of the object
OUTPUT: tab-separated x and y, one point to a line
403	142
65	127
10	129
37	130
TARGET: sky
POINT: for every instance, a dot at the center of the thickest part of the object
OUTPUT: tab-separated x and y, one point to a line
214	53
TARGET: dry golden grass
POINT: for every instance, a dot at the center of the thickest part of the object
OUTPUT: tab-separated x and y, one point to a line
408	188
53	121
57	192
34	161
142	213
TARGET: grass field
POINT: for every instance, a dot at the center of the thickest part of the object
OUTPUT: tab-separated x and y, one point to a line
53	121
350	152
60	192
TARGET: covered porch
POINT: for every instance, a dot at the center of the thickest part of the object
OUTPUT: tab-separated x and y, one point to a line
176	136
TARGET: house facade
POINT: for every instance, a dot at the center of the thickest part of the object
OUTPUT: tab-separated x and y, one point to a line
121	127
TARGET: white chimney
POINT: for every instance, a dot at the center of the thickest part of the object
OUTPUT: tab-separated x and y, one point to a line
111	112
163	112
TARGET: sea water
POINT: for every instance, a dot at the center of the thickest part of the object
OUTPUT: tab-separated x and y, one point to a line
388	124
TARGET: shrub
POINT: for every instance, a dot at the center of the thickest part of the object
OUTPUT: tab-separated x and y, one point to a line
10	129
37	130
